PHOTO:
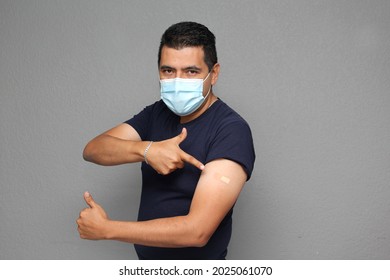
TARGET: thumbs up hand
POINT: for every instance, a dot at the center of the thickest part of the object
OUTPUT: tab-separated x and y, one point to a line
92	221
166	156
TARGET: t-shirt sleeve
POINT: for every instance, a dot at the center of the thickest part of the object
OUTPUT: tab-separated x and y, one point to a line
140	122
234	142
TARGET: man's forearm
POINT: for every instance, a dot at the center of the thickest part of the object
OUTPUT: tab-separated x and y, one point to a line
108	150
172	232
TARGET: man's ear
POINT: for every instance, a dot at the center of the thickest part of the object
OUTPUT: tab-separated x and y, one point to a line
215	73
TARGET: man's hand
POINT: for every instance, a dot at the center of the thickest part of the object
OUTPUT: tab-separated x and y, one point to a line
166	156
92	220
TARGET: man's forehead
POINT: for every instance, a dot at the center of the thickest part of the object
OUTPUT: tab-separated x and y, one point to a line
187	56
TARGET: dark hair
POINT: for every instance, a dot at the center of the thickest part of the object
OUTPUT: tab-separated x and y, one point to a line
190	34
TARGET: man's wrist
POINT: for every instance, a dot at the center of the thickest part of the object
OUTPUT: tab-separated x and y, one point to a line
146	152
108	229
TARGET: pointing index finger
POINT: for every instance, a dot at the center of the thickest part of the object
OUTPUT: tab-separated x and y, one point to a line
190	159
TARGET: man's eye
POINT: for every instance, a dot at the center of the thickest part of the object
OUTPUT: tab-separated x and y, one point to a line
192	72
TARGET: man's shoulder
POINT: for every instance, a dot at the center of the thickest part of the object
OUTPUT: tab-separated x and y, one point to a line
154	110
157	105
157	109
228	115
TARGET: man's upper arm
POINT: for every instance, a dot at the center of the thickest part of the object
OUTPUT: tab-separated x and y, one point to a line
218	189
124	131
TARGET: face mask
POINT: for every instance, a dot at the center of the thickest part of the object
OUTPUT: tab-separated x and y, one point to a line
183	96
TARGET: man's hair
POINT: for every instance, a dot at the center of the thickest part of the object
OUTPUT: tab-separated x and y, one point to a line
190	34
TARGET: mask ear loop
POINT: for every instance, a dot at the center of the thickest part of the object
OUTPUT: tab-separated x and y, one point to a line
209	87
207	76
207	93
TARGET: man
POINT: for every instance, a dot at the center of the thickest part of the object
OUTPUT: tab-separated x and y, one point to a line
196	155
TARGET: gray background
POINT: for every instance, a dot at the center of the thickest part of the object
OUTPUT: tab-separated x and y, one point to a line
310	77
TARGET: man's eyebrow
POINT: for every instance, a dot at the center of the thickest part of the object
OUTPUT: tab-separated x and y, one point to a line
166	67
192	67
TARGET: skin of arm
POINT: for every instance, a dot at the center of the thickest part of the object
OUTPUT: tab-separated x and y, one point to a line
218	189
122	144
119	145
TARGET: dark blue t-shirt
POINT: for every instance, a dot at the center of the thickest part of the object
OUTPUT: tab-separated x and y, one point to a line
218	133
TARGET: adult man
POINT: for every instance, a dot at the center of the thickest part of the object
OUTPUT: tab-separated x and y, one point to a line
196	155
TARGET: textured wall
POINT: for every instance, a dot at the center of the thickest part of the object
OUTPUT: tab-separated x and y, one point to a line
311	78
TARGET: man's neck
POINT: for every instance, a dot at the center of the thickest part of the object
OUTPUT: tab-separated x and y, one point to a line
206	104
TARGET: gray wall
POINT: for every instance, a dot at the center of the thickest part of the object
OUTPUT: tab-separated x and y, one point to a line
311	78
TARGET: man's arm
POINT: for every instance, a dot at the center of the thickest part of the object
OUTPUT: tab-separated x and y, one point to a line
119	145
218	189
122	144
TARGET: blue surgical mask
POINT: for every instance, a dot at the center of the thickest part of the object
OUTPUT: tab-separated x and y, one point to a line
183	96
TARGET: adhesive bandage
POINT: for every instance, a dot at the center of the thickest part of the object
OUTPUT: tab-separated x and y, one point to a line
222	178
225	179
